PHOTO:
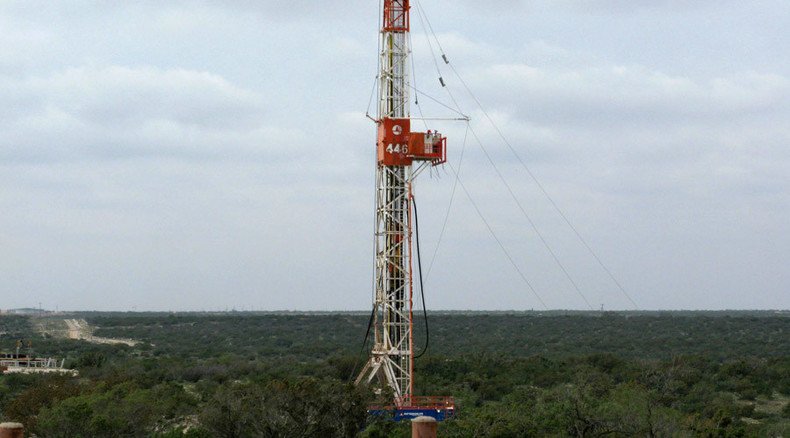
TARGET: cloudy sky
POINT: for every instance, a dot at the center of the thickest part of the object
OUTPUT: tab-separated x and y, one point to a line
190	155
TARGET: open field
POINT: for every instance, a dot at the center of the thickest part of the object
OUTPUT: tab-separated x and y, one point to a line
514	374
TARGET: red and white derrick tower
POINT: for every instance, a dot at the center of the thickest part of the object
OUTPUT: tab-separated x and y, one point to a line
401	155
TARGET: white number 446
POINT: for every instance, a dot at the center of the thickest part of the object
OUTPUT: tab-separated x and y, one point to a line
396	149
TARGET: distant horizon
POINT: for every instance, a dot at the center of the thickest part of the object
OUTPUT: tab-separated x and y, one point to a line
4	311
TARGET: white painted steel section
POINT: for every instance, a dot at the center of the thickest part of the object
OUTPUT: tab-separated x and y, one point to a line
390	360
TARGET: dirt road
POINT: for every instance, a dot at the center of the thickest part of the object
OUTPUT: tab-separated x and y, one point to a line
80	329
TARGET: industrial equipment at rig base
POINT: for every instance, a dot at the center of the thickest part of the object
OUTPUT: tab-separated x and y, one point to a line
26	363
401	156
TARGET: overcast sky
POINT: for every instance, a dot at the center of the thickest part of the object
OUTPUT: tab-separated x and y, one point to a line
190	155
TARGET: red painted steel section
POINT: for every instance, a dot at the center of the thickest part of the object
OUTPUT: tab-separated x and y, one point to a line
430	146
428	401
393	142
396	16
421	402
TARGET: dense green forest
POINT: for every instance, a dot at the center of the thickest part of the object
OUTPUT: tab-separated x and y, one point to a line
579	374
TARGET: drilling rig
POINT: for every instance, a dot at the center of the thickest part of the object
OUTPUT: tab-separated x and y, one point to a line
401	156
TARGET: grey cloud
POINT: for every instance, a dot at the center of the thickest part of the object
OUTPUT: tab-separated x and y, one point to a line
598	6
121	95
643	133
115	112
276	9
625	94
197	154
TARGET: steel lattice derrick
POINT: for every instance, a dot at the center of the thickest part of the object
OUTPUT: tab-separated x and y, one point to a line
391	359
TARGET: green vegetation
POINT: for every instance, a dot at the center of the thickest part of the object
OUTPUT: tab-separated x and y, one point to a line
513	374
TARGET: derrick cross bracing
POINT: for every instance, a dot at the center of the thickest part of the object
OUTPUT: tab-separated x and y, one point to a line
391	359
